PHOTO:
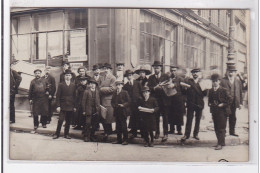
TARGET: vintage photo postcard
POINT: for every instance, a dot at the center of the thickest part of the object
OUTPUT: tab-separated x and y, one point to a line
129	84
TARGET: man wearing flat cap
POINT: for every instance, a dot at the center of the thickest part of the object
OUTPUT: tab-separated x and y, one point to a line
107	87
233	85
154	82
195	104
134	89
219	103
51	88
38	97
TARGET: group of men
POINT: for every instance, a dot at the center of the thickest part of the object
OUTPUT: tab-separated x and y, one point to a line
82	99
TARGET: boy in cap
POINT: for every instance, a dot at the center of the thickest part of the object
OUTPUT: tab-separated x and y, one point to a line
66	104
81	87
120	101
134	89
219	100
38	97
91	110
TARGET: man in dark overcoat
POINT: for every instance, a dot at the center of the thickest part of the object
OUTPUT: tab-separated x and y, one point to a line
233	86
120	102
134	89
157	92
176	108
195	104
38	97
51	89
15	80
219	101
66	104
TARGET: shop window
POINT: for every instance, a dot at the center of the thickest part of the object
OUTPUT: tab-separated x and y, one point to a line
216	54
194	50
77	18
48	21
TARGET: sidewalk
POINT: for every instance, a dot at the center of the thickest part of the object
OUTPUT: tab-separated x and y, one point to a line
207	136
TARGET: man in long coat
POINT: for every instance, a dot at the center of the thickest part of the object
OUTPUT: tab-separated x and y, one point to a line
38	97
233	85
195	104
157	92
134	89
15	80
107	87
51	89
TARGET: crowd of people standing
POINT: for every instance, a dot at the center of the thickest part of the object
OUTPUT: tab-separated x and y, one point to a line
90	99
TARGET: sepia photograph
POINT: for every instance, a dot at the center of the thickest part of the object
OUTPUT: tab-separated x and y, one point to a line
129	84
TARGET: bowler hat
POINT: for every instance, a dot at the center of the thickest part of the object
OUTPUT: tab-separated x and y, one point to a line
145	88
127	72
120	63
195	70
231	68
142	68
215	77
37	70
83	78
68	71
107	65
157	63
95	67
91	80
119	82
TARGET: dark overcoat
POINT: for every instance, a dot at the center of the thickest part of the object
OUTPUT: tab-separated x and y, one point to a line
37	93
87	102
122	98
15	80
143	81
148	122
51	84
238	99
66	96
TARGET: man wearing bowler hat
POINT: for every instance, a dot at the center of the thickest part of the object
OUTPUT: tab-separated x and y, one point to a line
233	85
66	104
107	87
38	97
195	104
154	82
134	89
66	66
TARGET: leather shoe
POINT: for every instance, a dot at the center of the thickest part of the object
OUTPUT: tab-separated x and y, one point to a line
233	134
67	137
164	139
93	139
151	144
125	143
86	139
133	136
44	126
55	137
219	147
146	144
117	142
184	138
156	136
171	132
196	137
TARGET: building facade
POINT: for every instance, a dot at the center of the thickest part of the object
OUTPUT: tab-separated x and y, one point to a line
87	36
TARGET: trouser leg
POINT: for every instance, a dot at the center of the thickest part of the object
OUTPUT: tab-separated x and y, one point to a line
49	111
146	136
68	117
189	122
178	128
124	130
35	120
232	120
198	114
157	119
12	108
60	122
165	121
44	119
87	126
119	129
151	135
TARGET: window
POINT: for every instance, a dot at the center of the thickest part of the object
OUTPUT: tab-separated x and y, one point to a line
157	40
216	54
53	34
194	50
